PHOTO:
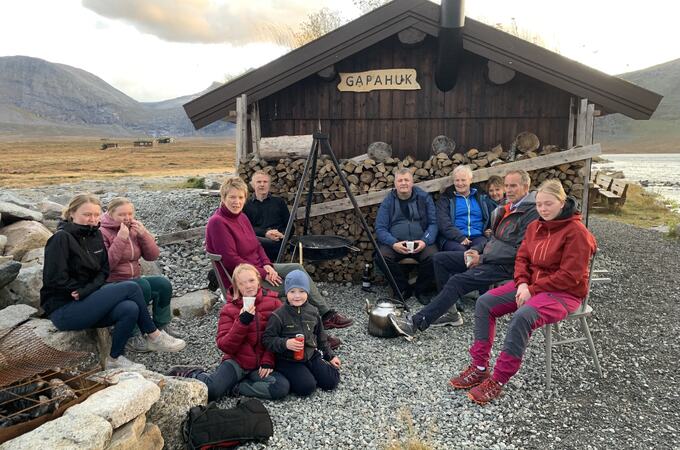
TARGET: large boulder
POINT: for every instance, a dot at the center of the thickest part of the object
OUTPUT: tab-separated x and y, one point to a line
120	403
8	272
3	242
25	288
11	213
70	341
50	210
23	236
82	432
15	314
8	197
34	257
193	304
178	395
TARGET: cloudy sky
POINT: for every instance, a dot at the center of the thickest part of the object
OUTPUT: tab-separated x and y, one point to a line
159	49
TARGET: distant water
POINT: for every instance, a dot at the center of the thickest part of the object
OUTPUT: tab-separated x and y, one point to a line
662	171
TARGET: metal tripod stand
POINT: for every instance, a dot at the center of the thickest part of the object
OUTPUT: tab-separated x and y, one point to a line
321	142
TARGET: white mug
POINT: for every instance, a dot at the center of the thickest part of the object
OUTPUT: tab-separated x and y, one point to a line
410	246
248	302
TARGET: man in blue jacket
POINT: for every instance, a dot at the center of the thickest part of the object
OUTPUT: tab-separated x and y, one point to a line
406	227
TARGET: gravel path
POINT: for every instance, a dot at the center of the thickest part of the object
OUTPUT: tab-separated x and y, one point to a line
393	390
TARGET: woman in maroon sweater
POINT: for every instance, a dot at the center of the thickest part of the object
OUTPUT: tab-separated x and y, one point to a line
230	234
551	280
247	368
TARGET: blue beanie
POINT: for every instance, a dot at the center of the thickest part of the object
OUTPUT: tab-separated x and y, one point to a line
297	279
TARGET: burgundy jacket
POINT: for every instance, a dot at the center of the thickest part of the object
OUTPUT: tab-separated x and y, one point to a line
554	255
124	254
232	236
243	343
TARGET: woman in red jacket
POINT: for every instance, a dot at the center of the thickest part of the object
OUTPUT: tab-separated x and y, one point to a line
126	240
550	281
247	368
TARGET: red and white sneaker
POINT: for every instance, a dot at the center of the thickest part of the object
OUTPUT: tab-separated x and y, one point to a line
490	389
468	378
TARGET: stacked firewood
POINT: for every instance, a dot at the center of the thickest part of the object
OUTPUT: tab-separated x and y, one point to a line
369	175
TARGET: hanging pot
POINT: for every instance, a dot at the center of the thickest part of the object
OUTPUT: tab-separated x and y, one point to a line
323	247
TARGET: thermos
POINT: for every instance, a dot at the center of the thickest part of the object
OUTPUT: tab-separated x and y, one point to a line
366	278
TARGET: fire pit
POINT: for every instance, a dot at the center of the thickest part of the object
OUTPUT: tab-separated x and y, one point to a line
37	382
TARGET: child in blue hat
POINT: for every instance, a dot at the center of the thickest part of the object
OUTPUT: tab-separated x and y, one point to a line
319	365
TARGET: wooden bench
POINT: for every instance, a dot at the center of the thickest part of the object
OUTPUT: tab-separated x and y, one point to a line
611	192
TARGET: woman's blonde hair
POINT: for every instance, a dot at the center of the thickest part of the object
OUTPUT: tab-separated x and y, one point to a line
554	188
233	183
76	202
242	268
118	202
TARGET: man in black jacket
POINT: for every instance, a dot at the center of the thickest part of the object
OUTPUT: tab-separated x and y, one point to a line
268	214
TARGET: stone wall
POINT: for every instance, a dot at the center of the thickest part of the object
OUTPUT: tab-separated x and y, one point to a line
139	411
369	176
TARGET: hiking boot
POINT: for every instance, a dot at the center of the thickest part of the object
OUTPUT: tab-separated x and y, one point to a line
137	343
122	363
172	330
336	320
403	325
459	305
184	371
165	343
334	342
448	319
490	389
468	378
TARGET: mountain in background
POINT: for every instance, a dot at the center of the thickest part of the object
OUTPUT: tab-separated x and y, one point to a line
662	131
40	98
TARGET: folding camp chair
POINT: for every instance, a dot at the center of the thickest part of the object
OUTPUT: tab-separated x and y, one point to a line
216	261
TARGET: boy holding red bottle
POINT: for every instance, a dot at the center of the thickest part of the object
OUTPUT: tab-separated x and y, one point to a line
308	363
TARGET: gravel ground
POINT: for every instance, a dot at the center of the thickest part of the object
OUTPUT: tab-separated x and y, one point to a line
393	390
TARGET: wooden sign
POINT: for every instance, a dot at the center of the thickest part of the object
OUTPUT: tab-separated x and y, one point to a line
372	80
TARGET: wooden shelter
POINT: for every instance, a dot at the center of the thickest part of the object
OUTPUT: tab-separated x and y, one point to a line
505	86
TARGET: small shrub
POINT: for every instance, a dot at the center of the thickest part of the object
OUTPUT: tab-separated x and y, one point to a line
194	183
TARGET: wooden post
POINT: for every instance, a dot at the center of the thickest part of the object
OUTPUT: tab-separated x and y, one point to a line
241	128
572	119
255	130
581	122
588	140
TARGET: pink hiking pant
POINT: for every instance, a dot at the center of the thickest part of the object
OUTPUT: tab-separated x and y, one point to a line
539	310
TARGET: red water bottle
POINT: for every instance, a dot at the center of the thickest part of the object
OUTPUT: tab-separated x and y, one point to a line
300	354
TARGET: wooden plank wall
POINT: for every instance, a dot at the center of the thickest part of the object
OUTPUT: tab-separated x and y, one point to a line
475	113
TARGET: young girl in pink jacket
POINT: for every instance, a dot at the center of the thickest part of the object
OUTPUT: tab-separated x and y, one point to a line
126	240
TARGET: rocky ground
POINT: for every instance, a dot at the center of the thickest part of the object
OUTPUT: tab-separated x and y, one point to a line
393	390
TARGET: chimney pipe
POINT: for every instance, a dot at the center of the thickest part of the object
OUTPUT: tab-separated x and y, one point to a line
450	51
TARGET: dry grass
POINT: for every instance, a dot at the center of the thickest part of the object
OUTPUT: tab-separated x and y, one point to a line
40	162
411	441
643	209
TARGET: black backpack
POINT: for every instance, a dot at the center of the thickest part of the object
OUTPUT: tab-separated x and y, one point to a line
208	426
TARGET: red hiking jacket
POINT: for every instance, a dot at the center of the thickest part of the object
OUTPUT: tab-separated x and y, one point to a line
554	256
243	343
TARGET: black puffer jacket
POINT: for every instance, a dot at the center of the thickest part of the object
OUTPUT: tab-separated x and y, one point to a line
286	322
75	260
